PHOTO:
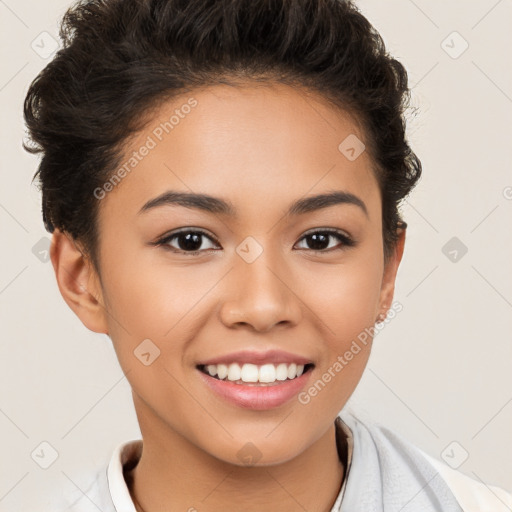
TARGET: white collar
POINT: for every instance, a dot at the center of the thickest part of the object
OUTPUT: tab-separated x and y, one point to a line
126	453
129	452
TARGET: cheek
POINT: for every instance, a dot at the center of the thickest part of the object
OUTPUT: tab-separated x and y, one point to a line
346	298
160	302
345	305
152	300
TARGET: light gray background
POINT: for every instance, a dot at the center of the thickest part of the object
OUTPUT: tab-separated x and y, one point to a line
439	372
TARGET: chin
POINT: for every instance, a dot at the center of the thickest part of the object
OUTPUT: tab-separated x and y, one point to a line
258	452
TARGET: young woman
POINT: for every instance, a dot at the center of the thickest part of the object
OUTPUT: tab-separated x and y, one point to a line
222	181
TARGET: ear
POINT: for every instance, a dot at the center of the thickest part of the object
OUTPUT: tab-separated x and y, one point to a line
78	282
389	275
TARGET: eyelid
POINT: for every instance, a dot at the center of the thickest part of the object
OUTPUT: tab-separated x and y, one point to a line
328	230
189	229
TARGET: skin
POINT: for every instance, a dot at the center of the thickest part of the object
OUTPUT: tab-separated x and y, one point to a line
261	148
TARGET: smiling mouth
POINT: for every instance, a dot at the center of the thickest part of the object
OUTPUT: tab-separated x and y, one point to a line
255	375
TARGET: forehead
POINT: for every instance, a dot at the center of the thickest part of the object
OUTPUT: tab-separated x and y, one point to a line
252	145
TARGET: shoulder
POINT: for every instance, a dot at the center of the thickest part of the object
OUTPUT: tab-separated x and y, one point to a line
473	495
395	453
88	492
103	488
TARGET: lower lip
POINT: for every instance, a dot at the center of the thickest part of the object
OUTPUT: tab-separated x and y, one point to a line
257	397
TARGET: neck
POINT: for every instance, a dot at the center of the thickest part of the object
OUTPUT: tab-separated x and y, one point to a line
175	475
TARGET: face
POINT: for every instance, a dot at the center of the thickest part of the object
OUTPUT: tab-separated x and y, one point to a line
260	283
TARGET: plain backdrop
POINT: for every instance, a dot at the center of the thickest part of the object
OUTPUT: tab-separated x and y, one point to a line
439	373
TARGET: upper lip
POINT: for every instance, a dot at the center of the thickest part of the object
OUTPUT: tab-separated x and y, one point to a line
257	358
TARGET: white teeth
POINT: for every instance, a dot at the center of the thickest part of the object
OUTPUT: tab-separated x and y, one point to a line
267	373
249	373
222	371
292	371
282	371
234	372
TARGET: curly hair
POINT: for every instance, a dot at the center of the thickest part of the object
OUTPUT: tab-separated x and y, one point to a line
120	59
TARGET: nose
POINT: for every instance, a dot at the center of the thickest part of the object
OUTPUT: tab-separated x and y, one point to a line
260	295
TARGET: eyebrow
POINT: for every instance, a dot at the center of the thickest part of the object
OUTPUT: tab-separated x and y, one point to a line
217	205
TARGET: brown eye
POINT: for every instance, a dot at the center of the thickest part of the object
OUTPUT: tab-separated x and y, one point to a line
321	240
190	241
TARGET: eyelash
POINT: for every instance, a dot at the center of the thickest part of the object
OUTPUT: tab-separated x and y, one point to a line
342	237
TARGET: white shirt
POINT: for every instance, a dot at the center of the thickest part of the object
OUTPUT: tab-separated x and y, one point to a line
384	473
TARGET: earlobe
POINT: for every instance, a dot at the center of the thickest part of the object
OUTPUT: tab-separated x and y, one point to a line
78	282
389	277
